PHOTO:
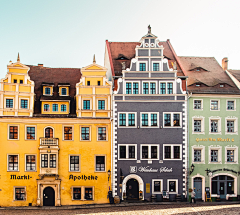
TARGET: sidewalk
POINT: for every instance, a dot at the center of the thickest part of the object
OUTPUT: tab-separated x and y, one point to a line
123	204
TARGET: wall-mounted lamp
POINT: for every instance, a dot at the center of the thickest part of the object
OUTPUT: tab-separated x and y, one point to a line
192	169
109	173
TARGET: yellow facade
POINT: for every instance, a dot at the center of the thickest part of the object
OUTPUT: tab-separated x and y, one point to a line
51	144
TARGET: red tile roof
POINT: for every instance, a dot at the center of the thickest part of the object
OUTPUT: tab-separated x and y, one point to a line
235	73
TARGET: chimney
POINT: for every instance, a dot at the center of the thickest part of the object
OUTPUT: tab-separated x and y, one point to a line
40	64
225	63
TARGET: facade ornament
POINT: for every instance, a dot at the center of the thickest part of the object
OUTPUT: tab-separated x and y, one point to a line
94	60
18	58
149	29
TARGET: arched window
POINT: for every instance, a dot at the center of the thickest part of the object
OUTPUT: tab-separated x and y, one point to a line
48	132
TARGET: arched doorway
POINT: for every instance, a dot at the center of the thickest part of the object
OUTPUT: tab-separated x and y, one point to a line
48	196
198	187
132	189
48	132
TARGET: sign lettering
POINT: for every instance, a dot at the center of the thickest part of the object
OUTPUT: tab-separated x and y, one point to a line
20	177
215	139
83	177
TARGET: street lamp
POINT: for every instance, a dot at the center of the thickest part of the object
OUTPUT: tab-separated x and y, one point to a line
192	169
109	173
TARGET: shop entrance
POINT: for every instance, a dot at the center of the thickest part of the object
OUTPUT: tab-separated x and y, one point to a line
198	187
48	196
132	189
222	185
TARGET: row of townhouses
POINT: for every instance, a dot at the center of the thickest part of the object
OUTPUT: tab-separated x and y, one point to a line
147	123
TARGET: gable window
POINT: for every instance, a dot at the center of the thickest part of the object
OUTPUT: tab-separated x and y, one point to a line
85	133
122	119
149	151
47	90
172	185
197	104
145	88
15	81
102	133
169	88
46	107
135	88
21	81
64	92
99	83
214	105
86	104
127	151
74	163
172	119
67	133
13	132
9	103
30	133
12	162
30	162
162	88
20	193
128	88
24	103
230	105
100	163
142	67
155	66
101	104
88	83
172	151
152	88
63	108
89	193
55	107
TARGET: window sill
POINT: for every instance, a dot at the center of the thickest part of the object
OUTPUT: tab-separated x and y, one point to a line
173	159
74	171
172	126
198	109
235	162
220	162
129	159
231	133
198	132
30	170
13	170
216	133
101	171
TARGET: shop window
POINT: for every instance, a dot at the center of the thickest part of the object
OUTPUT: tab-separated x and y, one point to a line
30	133
13	132
13	162
101	104
85	133
149	152
172	185
77	193
30	162
20	193
89	193
74	163
157	185
100	163
9	103
102	133
68	133
24	103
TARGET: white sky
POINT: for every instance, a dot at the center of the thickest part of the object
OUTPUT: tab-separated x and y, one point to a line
67	33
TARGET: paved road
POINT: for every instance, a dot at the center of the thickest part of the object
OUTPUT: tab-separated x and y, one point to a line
188	209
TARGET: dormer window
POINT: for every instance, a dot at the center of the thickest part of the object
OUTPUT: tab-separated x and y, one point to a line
64	91
198	85
221	85
146	40
152	40
47	91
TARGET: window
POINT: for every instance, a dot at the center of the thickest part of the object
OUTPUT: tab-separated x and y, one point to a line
89	193
53	160
102	133
101	104
9	103
127	151
48	132
214	155
46	107
157	186
30	162
44	160
85	133
145	88
128	88
68	133
135	88
64	91
214	105
155	66
162	88
166	87
14	80
144	119
13	132
197	126
131	119
100	163
230	105
172	120
74	163
214	126
99	83
30	133
47	90
197	104
169	88
230	126
149	151
86	104
142	67
127	120
132	88
12	162
88	83
55	107
197	155
172	185
21	81
63	108
154	121
150	120
172	151
231	155
24	103
77	193
152	88
122	119
19	194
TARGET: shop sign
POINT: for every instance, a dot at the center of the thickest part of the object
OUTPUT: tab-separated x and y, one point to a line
133	169
20	177
215	139
82	177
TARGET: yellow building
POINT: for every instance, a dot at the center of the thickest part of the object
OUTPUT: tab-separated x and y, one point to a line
55	136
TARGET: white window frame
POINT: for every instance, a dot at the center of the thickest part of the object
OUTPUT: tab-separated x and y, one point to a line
219	149
176	180
139	87
142	61
20	108
219	124
160	65
201	104
8	134
172	152
235	149
69	163
149	151
8	162
48	127
57	107
235	120
26	126
5	102
161	187
49	107
106	105
48	155
127	126
202	148
72	132
35	163
51	91
231	100
172	119
202	119
149	120
101	126
84	126
66	91
127	151
61	108
103	155
91	104
83	193
149	82
218	100
14	192
166	82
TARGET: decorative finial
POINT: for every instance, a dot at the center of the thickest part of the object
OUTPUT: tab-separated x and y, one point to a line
149	29
94	60
18	58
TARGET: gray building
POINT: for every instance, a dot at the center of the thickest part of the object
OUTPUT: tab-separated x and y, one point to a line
149	119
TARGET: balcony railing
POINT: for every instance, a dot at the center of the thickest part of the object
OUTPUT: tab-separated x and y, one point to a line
48	141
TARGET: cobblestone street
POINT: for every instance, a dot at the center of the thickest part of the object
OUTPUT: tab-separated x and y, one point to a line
189	209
